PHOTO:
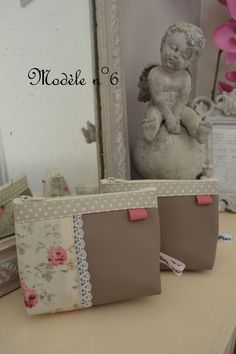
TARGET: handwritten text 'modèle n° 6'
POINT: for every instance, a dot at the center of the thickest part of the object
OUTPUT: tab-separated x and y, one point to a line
42	76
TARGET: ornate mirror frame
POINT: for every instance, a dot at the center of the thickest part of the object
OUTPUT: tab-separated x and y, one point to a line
220	112
112	127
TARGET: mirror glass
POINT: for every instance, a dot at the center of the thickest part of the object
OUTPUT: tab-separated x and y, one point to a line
46	91
143	24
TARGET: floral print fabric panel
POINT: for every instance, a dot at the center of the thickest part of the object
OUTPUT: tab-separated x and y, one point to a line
48	266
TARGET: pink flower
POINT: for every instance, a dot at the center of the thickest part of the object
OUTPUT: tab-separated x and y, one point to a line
231	76
224	36
223	2
225	87
30	296
57	255
231	4
230	58
232	8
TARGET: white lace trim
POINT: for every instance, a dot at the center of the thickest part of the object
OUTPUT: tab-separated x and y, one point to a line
84	276
174	264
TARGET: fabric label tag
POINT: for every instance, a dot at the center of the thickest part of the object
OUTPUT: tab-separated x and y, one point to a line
225	237
204	199
138	214
175	265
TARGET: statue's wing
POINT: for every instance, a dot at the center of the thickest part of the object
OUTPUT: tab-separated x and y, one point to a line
189	71
191	89
144	93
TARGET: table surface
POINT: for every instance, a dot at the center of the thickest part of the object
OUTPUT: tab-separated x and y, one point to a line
195	313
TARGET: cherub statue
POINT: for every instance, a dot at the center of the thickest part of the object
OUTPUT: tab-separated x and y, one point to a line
173	134
167	87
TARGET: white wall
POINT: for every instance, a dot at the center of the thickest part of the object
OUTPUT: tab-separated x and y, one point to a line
213	14
41	125
143	23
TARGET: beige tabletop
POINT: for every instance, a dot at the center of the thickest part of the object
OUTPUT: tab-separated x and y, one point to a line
196	313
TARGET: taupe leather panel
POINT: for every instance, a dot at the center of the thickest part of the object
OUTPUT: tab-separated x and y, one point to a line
123	256
189	232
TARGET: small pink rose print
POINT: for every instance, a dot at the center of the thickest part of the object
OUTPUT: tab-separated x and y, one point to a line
23	287
30	296
57	255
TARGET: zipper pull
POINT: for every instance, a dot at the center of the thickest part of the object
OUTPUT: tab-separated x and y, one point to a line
111	180
108	180
32	199
28	199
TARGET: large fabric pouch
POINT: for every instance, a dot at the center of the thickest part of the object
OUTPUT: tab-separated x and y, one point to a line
188	217
8	192
76	252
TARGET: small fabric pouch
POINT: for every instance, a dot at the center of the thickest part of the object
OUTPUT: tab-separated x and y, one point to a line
75	252
54	184
188	217
8	192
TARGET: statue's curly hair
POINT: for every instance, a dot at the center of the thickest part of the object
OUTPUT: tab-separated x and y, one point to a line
194	35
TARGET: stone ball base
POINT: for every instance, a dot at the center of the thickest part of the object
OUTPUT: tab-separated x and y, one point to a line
169	156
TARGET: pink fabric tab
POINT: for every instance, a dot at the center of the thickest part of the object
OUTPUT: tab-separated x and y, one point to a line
204	199
138	214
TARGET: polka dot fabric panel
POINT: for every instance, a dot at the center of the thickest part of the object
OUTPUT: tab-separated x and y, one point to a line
164	188
50	208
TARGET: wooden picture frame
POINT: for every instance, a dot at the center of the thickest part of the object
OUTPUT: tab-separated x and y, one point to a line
221	146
